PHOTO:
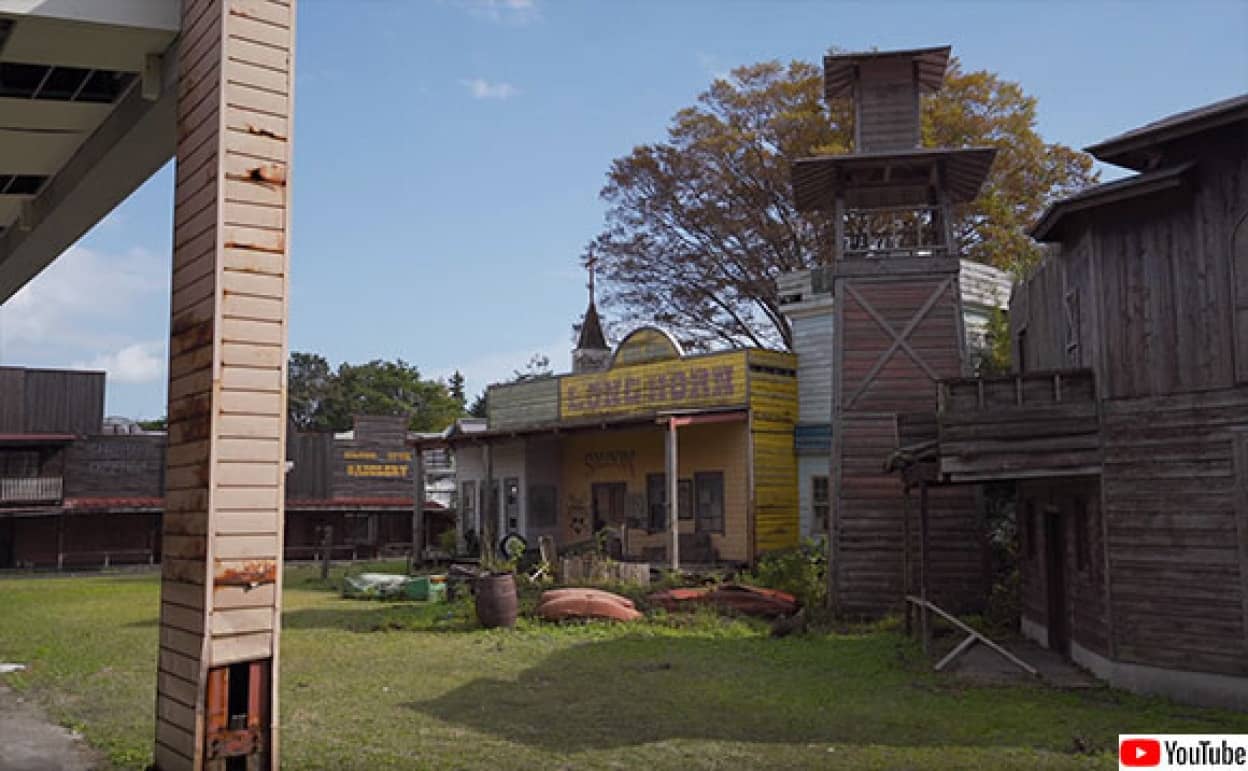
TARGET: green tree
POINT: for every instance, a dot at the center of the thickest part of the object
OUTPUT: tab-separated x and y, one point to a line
311	388
321	399
480	406
456	388
699	226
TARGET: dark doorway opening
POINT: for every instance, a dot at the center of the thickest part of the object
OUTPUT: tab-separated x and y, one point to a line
1055	580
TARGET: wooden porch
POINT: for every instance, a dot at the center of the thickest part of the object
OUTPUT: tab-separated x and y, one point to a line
1033	425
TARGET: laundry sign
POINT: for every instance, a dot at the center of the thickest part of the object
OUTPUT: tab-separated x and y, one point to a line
700	381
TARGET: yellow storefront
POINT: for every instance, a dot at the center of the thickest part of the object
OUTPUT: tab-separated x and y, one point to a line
596	445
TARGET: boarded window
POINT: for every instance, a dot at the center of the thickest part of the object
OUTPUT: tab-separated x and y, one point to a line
820	503
685	499
656	502
511	502
1072	327
708	491
543	506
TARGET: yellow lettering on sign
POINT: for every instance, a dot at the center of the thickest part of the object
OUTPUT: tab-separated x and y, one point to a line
397	455
697	382
359	455
377	470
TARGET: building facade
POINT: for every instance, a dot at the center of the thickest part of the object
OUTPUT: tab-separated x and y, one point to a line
78	490
590	454
1125	426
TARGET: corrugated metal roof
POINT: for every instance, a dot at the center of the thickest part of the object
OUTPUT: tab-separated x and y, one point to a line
1128	149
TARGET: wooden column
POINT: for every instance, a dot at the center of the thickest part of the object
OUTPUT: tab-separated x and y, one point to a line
418	506
222	539
673	491
489	505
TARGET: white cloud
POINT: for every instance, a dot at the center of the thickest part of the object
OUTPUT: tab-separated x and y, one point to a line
502	11
480	88
80	298
135	363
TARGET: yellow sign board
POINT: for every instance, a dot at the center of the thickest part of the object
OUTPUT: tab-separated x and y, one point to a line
700	381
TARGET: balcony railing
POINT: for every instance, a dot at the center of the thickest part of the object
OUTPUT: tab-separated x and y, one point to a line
30	489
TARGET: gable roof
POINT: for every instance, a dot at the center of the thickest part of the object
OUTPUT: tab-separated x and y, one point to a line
1049	226
1135	149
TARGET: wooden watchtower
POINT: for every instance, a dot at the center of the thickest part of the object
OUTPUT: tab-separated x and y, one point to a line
897	323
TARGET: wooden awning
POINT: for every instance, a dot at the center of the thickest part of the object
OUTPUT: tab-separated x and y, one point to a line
890	178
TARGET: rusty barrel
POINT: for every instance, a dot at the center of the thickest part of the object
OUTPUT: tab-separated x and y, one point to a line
496	600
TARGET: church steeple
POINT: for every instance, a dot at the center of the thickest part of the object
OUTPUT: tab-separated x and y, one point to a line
592	352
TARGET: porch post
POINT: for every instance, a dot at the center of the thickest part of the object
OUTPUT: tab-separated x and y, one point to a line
673	492
418	507
489	501
220	602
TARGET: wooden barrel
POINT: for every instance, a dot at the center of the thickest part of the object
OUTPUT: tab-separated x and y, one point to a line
496	600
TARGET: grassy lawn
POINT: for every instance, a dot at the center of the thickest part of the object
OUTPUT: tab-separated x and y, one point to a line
375	685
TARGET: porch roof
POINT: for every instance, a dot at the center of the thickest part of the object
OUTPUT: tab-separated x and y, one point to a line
683	417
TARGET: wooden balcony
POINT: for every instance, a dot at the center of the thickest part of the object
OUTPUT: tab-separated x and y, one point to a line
1039	424
24	490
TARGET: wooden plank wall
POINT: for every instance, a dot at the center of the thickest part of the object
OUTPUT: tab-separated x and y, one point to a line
310	452
887	105
1077	502
1155	285
867	502
376	462
773	415
51	401
116	466
524	404
1177	568
222	526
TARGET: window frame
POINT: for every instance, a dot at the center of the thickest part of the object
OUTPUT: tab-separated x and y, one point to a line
717	523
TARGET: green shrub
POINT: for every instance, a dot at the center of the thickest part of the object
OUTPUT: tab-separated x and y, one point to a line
800	571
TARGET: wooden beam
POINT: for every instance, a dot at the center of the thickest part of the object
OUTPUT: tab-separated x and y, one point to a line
673	493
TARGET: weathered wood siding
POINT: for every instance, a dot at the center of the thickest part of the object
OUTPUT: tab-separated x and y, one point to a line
375	462
1034	425
1177	530
887	106
311	472
1145	293
222	525
121	466
1077	504
49	401
897	334
523	404
773	415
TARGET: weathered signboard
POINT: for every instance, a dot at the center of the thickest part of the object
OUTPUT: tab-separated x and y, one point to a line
702	381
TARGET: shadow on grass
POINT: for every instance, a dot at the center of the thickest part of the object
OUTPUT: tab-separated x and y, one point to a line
631	691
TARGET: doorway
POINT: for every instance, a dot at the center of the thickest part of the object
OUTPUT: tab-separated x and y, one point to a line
608	503
1055	580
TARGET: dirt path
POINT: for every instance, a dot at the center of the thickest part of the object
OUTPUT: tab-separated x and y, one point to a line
30	742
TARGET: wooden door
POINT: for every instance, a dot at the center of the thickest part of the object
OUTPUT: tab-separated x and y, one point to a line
1055	580
608	503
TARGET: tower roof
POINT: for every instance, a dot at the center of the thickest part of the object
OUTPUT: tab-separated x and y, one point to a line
841	71
591	337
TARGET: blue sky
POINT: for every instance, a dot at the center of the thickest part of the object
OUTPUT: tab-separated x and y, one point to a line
448	157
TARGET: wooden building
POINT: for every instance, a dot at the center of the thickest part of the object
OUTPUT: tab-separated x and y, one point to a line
1126	423
75	494
806	301
605	448
895	325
